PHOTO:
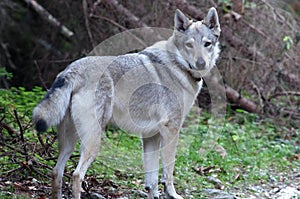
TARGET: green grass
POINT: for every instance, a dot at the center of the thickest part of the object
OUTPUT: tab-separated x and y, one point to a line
10	196
253	146
244	149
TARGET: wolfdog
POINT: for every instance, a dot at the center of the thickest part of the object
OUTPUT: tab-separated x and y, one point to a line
149	93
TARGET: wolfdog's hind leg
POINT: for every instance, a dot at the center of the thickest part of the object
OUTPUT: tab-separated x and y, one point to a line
169	139
151	164
90	136
89	125
89	150
67	139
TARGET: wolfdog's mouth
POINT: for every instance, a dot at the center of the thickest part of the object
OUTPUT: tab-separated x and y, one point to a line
196	68
191	66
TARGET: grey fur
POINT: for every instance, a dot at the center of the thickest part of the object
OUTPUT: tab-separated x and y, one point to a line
148	93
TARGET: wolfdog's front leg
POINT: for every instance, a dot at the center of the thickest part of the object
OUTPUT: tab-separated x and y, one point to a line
151	164
169	136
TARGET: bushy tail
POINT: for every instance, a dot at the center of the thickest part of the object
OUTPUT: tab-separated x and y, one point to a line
51	110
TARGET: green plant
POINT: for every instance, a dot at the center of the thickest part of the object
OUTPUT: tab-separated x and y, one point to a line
245	146
4	73
20	100
288	42
11	196
226	5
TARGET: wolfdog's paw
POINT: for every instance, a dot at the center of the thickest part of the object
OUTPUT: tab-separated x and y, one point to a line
152	193
170	192
175	197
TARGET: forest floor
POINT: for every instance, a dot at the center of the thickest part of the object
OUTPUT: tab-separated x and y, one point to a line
285	188
244	157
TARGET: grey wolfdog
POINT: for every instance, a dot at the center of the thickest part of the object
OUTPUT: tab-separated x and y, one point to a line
148	93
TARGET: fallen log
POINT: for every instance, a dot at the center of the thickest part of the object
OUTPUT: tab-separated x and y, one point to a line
236	98
49	18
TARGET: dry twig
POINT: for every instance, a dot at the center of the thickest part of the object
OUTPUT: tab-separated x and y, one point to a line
21	133
40	74
285	93
87	22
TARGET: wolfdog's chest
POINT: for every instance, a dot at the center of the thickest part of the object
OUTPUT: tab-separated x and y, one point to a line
147	94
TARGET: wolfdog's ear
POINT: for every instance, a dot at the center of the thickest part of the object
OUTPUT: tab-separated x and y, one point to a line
181	22
212	21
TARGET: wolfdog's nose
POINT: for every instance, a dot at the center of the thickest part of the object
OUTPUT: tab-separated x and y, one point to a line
200	63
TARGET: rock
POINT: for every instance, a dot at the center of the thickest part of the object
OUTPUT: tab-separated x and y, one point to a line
92	196
216	182
288	193
217	194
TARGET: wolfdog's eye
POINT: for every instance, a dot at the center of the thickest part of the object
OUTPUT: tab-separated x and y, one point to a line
189	44
207	44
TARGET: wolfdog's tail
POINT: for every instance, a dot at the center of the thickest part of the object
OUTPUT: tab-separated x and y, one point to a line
51	110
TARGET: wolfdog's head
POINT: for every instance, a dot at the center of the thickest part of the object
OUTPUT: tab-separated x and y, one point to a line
197	42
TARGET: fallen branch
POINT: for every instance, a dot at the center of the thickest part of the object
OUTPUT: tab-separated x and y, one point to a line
134	20
260	32
49	18
285	93
12	170
189	9
289	78
21	134
261	96
42	142
119	26
13	148
235	97
291	113
9	129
